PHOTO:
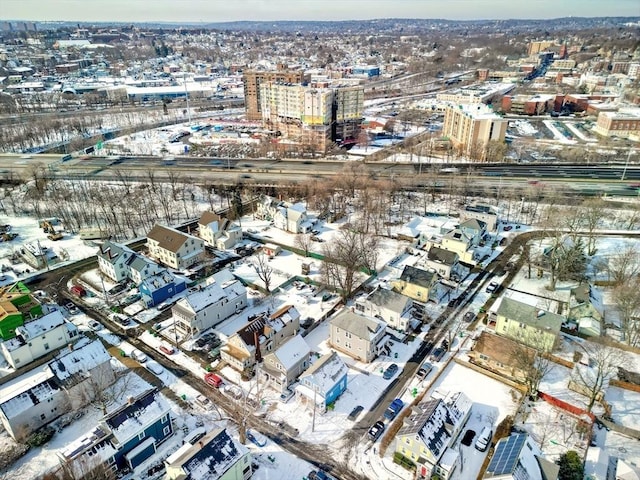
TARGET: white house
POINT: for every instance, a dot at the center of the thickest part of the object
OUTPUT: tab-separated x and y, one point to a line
217	231
290	217
37	338
211	304
174	248
283	366
141	268
390	306
31	401
113	260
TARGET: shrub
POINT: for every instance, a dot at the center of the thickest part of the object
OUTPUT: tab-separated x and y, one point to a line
40	437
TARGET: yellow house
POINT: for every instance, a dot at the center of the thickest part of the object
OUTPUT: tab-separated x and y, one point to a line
416	283
527	324
457	241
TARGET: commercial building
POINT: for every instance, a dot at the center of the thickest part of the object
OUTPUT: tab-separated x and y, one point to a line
253	79
471	127
623	124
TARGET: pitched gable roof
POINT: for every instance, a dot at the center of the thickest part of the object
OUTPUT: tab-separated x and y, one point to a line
112	252
383	297
473	224
440	255
168	238
417	276
529	315
358	325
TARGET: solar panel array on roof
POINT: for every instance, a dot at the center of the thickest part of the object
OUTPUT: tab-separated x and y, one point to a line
506	455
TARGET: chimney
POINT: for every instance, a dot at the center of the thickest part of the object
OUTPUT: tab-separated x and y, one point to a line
200	444
256	341
130	400
70	347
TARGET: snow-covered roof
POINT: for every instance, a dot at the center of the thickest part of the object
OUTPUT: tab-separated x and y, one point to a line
389	299
81	358
114	252
41	325
157	281
212	293
212	456
136	415
19	394
292	351
366	328
326	372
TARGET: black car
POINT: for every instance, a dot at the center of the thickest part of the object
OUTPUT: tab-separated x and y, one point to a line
355	412
468	438
469	317
376	430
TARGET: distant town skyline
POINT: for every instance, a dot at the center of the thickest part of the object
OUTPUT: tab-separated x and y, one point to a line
273	10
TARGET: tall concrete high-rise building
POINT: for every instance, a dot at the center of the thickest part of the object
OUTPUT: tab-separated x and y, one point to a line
310	116
471	127
252	80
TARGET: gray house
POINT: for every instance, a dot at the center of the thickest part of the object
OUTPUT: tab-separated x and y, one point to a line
282	367
360	337
444	262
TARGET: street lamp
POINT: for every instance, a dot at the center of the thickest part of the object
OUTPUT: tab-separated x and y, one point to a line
624	171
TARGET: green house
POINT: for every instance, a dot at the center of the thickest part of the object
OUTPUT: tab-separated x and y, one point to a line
16	304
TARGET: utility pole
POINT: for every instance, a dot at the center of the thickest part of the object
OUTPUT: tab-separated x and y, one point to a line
313	422
184	81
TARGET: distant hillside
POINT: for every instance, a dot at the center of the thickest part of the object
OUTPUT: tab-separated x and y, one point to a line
384	25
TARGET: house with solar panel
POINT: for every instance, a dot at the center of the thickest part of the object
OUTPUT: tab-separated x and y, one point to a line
215	456
127	436
517	457
429	433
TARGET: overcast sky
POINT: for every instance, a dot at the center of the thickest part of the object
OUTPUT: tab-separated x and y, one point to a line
230	10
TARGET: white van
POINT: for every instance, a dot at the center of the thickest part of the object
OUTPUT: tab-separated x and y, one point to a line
484	439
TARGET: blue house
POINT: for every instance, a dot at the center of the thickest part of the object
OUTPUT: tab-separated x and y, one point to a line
324	381
126	437
157	288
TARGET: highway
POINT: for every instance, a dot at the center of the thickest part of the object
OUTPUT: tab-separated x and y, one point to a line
573	179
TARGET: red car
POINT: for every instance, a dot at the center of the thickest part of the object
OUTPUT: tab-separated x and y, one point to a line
213	379
506	228
167	349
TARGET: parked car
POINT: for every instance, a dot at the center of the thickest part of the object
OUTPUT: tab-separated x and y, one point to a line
355	412
437	354
493	286
286	396
163	306
256	438
376	430
506	228
213	379
72	308
154	367
469	317
204	402
424	370
95	326
484	439
390	371
139	356
167	349
468	438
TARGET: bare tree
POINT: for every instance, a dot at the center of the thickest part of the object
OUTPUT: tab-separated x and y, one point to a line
625	265
348	252
530	358
303	242
627	297
593	212
84	467
99	390
264	270
603	362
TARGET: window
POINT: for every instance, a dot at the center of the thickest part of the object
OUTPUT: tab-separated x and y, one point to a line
140	435
111	460
166	430
165	419
42	417
347	334
46	346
